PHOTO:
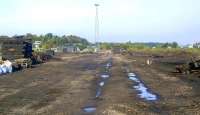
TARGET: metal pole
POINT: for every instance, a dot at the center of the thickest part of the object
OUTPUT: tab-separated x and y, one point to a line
97	26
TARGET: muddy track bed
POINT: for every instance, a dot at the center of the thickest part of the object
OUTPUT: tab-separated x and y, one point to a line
69	84
178	93
57	87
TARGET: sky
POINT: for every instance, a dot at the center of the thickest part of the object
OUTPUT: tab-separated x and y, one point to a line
120	20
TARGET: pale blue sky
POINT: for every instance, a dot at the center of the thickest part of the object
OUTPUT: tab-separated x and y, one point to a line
120	20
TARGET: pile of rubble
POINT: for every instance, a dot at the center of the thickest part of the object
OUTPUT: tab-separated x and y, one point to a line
191	66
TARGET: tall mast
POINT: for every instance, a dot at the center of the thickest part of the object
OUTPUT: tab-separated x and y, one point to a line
96	25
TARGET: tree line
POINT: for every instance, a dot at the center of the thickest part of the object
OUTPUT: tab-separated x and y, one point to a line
130	45
50	40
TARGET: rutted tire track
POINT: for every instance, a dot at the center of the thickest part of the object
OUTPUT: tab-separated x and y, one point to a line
104	76
57	87
177	96
144	91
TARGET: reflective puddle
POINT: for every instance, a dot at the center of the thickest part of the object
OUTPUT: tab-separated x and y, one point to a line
101	83
98	93
108	65
131	74
143	91
105	76
89	109
134	79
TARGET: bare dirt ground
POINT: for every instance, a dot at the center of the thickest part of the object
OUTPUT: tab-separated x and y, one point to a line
56	87
63	86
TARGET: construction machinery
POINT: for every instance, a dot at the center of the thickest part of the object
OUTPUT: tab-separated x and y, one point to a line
18	50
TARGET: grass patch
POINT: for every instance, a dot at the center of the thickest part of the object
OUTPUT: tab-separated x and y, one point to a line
166	51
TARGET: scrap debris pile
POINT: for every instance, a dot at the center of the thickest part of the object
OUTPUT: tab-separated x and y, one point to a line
17	53
189	67
15	48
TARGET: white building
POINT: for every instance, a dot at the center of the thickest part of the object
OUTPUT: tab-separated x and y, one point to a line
37	44
190	46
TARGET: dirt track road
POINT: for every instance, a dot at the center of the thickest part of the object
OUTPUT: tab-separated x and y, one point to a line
65	86
176	94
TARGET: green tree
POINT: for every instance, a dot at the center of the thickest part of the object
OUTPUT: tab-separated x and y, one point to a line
174	45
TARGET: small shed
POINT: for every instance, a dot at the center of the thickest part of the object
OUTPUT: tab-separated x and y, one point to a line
70	48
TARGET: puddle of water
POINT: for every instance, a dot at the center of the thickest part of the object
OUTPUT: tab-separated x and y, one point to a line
101	83
134	79
89	109
144	93
105	76
98	93
108	65
132	74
